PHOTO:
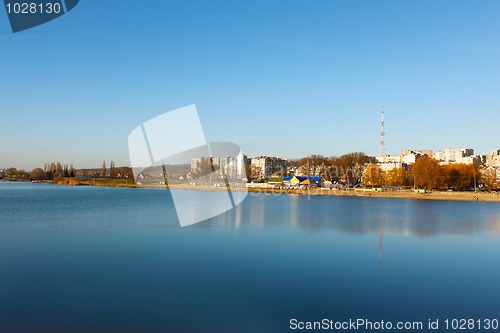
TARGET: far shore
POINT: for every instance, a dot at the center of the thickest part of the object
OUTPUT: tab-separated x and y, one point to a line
369	193
401	194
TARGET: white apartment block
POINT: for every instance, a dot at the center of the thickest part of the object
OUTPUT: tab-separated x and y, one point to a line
388	162
494	159
231	167
241	163
266	166
453	155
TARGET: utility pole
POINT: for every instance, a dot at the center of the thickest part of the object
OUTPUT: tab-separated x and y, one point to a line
382	135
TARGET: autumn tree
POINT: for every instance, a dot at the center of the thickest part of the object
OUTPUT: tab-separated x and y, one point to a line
12	174
56	170
126	172
38	174
114	172
112	167
103	171
204	166
314	165
349	167
490	177
426	172
248	171
373	175
15	175
396	177
458	176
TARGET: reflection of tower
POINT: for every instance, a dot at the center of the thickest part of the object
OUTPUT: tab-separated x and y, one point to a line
382	136
380	243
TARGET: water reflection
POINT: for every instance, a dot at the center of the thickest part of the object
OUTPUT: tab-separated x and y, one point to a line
380	244
354	215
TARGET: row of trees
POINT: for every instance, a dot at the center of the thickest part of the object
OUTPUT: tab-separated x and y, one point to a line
425	173
357	167
56	170
347	167
13	174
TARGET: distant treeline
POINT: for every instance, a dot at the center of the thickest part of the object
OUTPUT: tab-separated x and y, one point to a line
57	170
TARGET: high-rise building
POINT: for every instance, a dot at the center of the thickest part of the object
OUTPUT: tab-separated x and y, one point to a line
266	166
451	155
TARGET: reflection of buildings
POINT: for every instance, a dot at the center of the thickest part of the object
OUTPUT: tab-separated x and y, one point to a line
380	243
493	226
364	216
420	218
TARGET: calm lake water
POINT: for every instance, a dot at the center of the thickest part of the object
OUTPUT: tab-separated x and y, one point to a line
89	259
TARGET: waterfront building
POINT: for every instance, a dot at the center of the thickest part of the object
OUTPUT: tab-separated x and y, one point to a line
266	166
231	167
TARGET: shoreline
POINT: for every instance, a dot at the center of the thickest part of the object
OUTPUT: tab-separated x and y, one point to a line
369	193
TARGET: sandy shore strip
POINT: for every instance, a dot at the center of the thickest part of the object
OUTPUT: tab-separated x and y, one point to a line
402	194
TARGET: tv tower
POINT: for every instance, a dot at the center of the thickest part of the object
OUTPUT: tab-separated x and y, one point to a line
382	136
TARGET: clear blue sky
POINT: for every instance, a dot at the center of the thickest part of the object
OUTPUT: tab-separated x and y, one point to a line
283	78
